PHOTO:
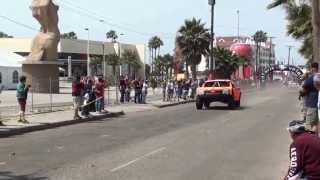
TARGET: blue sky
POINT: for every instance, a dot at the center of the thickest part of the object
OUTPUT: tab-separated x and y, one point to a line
138	20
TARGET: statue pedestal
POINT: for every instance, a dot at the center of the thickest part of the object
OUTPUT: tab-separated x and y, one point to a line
43	76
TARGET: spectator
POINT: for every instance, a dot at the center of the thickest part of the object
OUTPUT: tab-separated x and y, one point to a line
122	87
311	100
186	87
145	92
22	95
304	153
170	91
164	89
128	90
89	98
77	94
99	93
137	91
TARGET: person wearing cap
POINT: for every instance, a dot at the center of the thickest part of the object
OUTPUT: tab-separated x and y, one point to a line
311	99
304	153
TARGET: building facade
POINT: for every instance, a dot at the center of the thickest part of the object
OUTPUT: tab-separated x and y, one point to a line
76	51
267	50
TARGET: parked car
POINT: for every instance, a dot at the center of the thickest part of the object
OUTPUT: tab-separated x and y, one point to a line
221	90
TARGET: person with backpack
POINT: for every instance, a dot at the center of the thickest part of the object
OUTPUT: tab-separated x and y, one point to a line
22	95
77	94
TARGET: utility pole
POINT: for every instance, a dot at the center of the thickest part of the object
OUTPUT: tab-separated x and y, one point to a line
88	53
238	13
289	54
212	62
289	58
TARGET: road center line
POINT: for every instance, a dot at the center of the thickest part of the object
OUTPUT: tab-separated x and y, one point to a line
137	159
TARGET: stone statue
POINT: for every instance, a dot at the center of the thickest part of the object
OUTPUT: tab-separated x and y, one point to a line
44	45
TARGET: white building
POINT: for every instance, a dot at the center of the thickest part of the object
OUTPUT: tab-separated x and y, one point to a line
77	51
10	69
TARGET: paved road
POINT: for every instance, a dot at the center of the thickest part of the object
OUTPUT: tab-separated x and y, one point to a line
176	143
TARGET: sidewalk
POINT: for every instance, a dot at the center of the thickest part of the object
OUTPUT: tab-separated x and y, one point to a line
42	121
38	102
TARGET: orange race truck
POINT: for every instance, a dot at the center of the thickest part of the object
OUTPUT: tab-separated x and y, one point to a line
220	90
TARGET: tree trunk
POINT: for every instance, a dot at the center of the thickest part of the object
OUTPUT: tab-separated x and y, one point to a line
187	70
316	30
194	71
129	71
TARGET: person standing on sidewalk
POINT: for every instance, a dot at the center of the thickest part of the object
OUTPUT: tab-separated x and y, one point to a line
145	92
77	94
304	153
99	92
164	90
122	87
311	100
22	94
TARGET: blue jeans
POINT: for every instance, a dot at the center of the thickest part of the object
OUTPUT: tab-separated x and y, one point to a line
99	104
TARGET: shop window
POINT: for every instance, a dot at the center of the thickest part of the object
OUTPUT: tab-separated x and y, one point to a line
15	77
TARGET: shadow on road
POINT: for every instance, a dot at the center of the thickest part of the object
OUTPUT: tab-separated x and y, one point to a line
226	108
6	175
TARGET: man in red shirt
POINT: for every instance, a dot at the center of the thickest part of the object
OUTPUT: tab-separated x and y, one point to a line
304	153
77	94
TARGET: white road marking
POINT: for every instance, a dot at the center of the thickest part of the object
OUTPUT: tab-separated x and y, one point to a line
104	135
137	159
60	147
3	163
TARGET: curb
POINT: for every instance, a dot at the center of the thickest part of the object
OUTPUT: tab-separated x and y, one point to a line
173	104
23	130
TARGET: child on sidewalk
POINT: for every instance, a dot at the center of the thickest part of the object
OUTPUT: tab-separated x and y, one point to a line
22	94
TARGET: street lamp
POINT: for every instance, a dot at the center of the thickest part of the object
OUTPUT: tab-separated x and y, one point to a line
88	53
212	62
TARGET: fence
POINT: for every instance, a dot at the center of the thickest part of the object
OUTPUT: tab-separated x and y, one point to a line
43	97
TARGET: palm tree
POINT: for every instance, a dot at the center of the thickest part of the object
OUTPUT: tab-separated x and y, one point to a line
69	35
113	61
168	63
193	39
304	24
112	35
155	44
226	62
131	58
152	47
95	64
259	37
158	67
4	35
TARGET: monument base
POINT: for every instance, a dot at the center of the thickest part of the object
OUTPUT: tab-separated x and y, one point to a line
43	76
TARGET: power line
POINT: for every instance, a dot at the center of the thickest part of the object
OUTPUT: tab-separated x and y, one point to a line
18	23
103	21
